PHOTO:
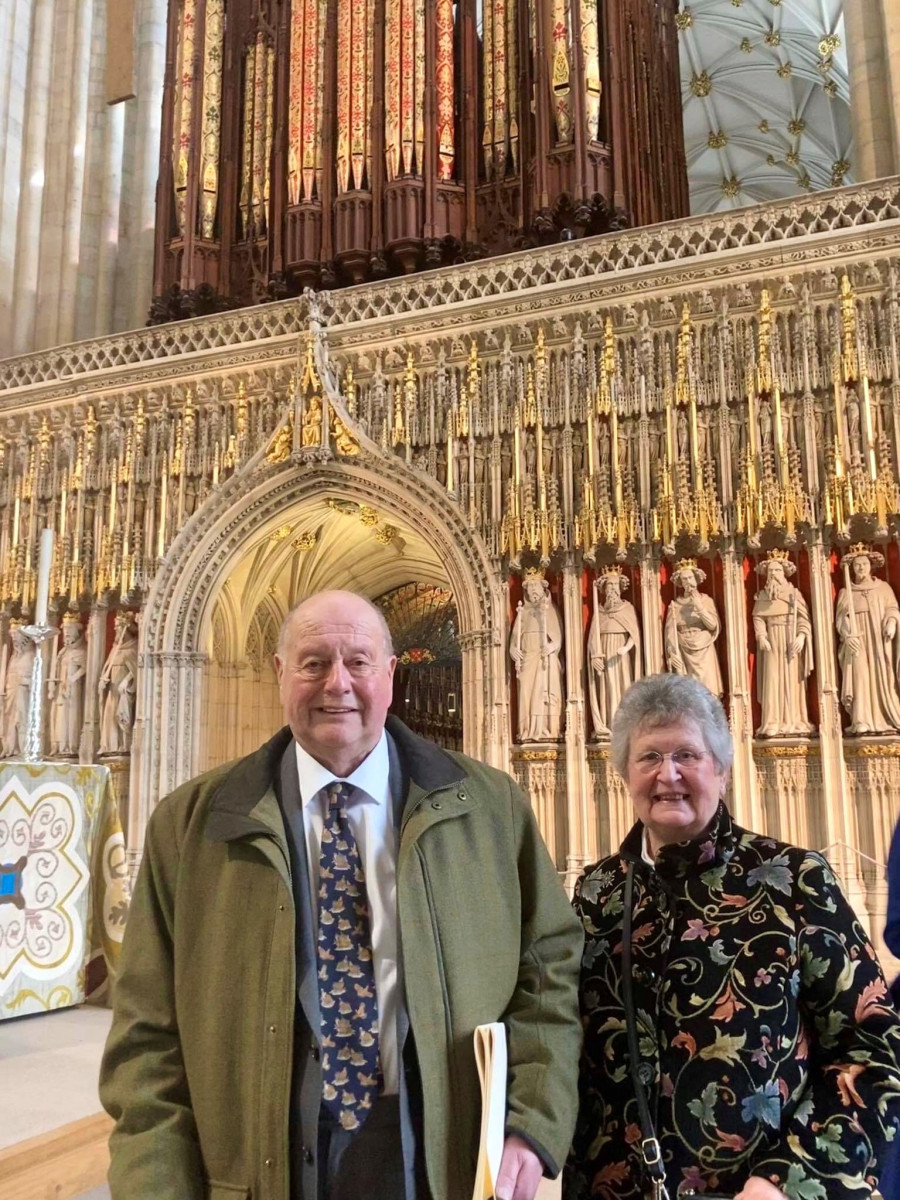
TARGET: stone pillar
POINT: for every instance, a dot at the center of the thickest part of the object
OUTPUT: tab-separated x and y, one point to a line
28	227
747	803
16	18
842	837
874	65
143	126
96	656
580	802
891	13
652	617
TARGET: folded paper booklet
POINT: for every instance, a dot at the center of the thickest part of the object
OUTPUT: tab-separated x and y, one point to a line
490	1056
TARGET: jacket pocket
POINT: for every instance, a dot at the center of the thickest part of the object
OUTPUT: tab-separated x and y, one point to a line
226	1191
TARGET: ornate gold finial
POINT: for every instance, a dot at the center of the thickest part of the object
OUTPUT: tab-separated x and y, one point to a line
716	141
350	392
701	85
776	556
242	421
849	362
685	339
684	19
861	550
609	347
764	367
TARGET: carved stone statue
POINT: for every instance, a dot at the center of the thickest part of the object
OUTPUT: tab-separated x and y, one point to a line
66	690
692	628
118	681
614	648
785	659
870	647
534	647
311	432
17	692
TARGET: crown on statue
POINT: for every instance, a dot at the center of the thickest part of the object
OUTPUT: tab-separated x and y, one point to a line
781	557
533	573
861	550
689	564
612	571
71	618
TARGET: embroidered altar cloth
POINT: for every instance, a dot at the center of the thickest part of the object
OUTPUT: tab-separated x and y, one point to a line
63	885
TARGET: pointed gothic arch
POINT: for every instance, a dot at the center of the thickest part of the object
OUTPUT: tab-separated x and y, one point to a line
179	609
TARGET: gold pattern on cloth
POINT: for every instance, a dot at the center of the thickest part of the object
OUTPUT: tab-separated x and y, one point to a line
212	114
63	885
306	94
184	105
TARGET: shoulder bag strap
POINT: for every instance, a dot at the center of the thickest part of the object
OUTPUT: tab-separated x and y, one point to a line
651	1156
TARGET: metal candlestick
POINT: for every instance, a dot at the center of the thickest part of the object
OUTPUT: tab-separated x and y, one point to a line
34	737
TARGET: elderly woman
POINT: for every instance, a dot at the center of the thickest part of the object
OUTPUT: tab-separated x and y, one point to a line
765	1051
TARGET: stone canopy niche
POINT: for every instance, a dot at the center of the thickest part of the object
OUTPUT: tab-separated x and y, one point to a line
315	143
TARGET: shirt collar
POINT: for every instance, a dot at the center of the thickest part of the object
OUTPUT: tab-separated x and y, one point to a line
646	852
371	777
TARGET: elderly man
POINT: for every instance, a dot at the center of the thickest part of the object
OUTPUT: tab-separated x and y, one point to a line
315	933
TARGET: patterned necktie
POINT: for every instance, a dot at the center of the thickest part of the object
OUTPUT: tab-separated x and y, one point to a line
351	1072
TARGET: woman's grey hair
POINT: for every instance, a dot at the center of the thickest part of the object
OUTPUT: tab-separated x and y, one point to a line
659	700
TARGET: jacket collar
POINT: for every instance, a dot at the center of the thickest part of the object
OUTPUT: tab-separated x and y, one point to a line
243	786
716	845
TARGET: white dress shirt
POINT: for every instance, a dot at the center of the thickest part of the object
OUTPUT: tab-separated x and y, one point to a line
371	816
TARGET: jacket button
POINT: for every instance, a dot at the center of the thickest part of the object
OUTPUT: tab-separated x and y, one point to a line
281	908
271	1029
307	1155
460	795
436	804
270	1162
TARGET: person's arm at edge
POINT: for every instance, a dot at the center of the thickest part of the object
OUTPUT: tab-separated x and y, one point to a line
853	1093
154	1153
542	1019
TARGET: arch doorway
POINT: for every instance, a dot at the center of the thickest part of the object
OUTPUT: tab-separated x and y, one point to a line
331	543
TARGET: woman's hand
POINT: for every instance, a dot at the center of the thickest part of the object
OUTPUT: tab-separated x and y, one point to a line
757	1188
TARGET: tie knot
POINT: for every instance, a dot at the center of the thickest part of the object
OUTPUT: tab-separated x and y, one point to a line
337	794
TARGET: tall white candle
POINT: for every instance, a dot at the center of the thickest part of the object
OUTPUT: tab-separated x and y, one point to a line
43	581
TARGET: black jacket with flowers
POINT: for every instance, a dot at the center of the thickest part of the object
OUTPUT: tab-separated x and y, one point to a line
762	1019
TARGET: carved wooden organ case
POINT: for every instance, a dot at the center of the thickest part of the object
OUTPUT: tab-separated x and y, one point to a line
321	142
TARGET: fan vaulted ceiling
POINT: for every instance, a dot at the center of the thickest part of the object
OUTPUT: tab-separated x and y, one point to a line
766	99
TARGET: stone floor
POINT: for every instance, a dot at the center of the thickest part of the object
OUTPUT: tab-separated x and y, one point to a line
49	1062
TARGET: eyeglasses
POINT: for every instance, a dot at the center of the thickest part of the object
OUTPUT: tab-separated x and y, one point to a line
651	761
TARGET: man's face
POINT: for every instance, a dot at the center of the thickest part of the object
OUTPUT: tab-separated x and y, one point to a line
688	582
613	589
533	591
862	568
71	634
335	679
775	580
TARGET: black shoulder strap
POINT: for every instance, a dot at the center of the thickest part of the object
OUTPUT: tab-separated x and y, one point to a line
651	1155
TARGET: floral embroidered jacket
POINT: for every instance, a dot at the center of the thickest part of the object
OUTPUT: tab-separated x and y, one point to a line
764	1031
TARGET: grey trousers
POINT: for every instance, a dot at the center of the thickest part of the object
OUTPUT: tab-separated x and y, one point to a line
367	1165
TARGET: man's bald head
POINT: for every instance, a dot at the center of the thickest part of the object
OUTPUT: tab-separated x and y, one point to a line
325	602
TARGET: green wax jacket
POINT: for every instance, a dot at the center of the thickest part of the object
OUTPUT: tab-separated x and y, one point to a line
202	1055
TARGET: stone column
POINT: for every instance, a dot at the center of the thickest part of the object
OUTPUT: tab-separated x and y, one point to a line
842	845
891	12
143	126
747	802
652	616
16	90
96	656
866	26
581	839
28	227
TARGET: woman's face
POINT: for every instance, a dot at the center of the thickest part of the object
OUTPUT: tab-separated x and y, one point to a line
675	800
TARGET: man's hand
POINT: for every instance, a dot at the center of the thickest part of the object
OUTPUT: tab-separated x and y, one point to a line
757	1188
521	1171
